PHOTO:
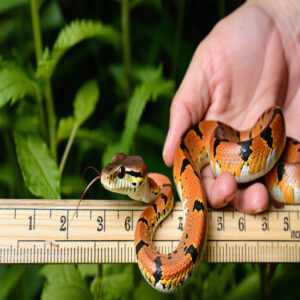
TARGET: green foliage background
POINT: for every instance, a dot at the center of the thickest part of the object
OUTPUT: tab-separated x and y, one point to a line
79	81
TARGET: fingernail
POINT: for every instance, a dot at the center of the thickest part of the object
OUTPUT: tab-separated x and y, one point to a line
166	146
259	210
230	198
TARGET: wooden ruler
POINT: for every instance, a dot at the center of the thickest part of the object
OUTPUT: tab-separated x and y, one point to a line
102	231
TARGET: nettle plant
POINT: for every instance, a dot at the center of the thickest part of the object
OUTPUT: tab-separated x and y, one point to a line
27	113
36	145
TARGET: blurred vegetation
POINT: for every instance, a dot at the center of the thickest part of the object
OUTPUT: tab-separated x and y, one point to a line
79	81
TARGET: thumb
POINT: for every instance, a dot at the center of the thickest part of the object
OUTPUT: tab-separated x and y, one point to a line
188	106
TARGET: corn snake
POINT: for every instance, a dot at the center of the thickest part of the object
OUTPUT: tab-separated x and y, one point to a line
247	155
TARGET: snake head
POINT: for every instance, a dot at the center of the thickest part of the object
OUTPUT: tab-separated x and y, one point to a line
124	174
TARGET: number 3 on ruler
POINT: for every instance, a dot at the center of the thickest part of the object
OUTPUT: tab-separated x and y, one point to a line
100	223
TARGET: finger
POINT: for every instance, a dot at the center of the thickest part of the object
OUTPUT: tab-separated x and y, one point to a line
180	122
221	190
188	106
251	199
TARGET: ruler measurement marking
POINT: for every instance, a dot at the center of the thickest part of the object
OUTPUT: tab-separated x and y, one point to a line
104	222
290	221
34	210
115	242
67	228
126	209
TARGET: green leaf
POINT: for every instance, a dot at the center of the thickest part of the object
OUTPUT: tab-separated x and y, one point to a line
153	86
51	15
117	281
39	170
87	270
85	101
147	73
117	285
71	35
99	137
96	287
65	127
64	282
15	84
137	104
9	279
248	288
25	117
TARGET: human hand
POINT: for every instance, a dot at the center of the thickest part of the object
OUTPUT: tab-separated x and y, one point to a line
249	62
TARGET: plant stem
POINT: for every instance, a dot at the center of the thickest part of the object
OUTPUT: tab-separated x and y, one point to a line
36	29
125	19
263	280
100	270
38	46
100	275
68	147
48	90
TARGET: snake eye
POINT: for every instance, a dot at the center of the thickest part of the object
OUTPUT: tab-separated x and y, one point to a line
121	172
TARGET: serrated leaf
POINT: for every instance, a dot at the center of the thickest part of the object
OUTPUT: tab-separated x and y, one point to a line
65	127
71	35
39	170
79	30
14	85
85	101
64	282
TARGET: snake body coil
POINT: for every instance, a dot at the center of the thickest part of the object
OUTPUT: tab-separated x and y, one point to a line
247	155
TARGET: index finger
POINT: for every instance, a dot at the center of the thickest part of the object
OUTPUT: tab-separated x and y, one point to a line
188	106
